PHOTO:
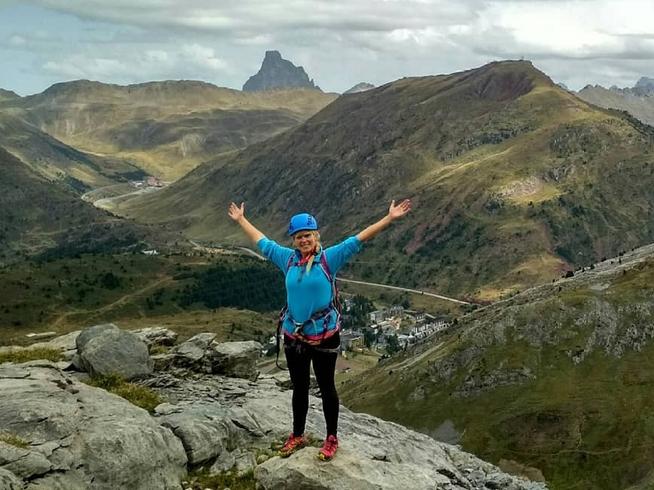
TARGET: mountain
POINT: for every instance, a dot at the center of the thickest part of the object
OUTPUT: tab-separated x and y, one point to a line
360	87
163	128
645	84
631	100
8	95
278	73
556	380
39	216
514	181
57	161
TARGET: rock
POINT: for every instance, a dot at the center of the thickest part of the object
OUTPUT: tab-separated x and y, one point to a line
82	437
202	354
105	349
278	73
162	362
239	460
9	481
91	332
203	433
154	336
373	453
237	359
195	353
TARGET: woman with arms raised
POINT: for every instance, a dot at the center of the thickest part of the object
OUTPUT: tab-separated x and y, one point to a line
311	320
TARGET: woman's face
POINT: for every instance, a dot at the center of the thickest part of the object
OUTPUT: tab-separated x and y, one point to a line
305	241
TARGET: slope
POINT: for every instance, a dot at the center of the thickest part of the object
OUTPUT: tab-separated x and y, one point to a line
558	379
166	128
514	181
57	161
37	216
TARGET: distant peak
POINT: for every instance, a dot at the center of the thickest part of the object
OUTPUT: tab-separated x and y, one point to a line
278	73
272	55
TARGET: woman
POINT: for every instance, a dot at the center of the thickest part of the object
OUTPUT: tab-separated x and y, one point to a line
311	321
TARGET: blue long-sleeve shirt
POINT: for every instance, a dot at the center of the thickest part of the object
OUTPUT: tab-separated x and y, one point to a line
309	293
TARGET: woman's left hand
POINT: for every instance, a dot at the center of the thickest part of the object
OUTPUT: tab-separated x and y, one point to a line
397	211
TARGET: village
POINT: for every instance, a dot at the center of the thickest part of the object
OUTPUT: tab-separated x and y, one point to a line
383	332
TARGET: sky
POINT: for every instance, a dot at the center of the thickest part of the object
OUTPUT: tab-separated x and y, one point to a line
338	42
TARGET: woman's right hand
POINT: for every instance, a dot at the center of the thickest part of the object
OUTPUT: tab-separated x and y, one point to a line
235	212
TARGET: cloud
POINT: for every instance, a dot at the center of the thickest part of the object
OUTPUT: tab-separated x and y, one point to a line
194	60
341	42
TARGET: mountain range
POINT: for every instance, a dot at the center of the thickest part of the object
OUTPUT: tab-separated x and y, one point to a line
161	128
514	180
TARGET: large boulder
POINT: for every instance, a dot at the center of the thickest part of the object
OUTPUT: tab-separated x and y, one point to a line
105	349
81	437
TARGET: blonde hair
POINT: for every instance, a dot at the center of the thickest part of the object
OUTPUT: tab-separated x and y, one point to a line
316	235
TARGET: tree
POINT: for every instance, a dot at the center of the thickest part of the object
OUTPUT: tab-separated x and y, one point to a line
392	344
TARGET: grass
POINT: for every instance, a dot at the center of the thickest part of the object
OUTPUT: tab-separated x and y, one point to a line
14	440
201	479
26	355
138	395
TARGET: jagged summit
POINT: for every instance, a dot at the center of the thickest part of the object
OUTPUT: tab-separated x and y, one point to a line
278	73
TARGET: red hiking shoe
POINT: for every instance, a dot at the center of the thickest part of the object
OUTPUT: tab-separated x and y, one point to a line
328	449
292	444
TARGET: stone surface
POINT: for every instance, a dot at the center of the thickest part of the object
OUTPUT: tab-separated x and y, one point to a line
219	418
237	359
156	336
9	481
79	434
105	349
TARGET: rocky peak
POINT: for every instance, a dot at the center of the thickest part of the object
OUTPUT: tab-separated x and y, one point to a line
360	87
645	85
278	73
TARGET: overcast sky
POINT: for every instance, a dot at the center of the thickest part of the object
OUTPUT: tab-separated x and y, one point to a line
338	42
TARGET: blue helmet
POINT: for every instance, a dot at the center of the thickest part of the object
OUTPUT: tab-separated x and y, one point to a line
300	222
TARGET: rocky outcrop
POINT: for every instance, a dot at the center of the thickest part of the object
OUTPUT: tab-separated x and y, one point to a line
74	436
80	437
278	73
202	353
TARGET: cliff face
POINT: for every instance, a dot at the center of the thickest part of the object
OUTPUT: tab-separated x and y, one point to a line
278	73
210	419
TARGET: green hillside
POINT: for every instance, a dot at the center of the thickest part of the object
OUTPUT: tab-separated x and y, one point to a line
39	216
137	291
558	380
514	181
165	128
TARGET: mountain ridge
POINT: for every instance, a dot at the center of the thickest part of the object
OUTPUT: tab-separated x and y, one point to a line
493	157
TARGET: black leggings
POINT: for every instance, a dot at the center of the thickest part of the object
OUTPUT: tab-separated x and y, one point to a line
299	356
